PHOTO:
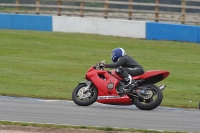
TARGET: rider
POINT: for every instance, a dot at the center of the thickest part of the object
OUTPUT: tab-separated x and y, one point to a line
125	66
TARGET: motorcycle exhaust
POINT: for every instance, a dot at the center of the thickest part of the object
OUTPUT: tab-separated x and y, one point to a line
162	86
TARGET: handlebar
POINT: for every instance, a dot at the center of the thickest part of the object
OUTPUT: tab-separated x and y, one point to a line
98	65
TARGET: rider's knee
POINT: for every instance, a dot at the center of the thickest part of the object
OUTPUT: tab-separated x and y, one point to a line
119	70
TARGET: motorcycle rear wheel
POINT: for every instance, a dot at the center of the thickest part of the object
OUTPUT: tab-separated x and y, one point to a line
82	98
149	104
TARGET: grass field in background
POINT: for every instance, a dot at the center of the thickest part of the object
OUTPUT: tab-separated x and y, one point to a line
49	65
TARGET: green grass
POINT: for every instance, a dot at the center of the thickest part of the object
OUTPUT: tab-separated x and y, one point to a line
108	129
49	65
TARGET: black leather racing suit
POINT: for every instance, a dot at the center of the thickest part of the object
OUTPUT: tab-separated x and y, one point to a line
126	65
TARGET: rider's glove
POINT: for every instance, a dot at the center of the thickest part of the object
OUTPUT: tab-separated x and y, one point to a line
102	64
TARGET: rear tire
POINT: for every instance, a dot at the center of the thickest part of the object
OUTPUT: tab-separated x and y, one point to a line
84	99
149	103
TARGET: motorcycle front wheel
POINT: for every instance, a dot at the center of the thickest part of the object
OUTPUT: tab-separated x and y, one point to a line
84	97
150	101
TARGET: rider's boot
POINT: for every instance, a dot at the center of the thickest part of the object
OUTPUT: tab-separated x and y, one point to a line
128	80
129	84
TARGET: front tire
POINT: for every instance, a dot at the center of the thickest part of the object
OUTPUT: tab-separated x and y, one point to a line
151	103
84	98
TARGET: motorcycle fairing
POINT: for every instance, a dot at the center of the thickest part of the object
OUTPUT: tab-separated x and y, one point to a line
101	79
151	73
114	100
152	76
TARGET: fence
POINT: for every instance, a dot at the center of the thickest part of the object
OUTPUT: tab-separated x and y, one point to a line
120	9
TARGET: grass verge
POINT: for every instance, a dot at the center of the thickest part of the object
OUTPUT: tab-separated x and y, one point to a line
82	127
49	64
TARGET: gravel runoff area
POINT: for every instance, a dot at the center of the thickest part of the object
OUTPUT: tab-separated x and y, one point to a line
31	129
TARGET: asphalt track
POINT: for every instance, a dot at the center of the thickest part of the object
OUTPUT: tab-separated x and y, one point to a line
67	113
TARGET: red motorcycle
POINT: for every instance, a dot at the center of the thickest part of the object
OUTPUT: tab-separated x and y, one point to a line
107	87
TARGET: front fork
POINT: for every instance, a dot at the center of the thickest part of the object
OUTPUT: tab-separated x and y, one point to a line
88	83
